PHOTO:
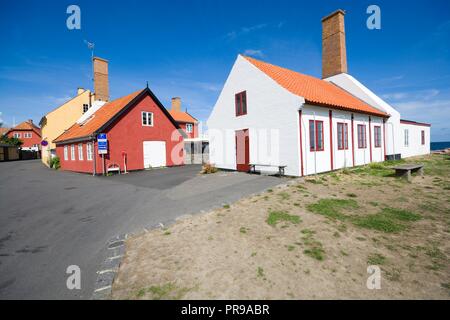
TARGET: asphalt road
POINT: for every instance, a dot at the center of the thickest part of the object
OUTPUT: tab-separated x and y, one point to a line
50	220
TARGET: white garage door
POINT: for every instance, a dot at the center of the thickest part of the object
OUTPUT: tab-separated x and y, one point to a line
154	154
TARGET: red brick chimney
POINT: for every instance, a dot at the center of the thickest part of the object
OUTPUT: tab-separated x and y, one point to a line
176	104
334	54
101	82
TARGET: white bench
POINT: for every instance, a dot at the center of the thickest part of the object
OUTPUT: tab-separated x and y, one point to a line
280	168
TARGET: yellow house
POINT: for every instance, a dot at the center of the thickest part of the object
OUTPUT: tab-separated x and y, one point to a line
62	118
54	123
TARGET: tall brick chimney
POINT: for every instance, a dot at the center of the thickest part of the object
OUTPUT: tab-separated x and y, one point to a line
101	82
176	104
334	54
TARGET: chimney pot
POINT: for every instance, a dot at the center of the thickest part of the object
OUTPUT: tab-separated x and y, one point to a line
334	55
176	104
101	82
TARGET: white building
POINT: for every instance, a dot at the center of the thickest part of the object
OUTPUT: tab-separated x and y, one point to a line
271	116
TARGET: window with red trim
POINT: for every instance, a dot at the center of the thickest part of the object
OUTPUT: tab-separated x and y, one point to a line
241	103
315	135
423	137
377	136
362	138
342	136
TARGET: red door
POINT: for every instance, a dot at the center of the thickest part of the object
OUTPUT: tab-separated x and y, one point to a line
242	151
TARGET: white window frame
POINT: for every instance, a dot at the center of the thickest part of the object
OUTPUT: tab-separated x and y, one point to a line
148	116
406	134
66	153
80	152
89	151
72	152
189	127
17	135
27	135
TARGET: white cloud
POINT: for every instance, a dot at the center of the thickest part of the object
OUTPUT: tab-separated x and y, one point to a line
244	30
254	53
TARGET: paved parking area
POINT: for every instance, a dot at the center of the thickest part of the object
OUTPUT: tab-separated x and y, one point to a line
52	219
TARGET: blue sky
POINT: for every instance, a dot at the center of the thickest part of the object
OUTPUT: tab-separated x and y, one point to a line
186	48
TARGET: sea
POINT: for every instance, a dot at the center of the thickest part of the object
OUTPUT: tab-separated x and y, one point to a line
440	145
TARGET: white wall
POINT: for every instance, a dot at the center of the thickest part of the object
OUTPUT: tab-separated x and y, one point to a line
415	146
320	161
272	120
356	88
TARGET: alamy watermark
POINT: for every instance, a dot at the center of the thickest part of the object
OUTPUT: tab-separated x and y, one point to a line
374	280
374	20
73	281
73	21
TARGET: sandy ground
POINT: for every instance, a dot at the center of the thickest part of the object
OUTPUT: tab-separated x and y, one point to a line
234	253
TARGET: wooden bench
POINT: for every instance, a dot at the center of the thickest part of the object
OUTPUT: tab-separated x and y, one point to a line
405	170
280	168
113	167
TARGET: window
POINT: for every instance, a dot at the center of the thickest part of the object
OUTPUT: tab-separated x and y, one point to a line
362	139
66	153
241	103
27	135
80	151
16	135
90	151
342	136
315	135
85	107
147	119
72	152
406	134
423	137
189	127
377	136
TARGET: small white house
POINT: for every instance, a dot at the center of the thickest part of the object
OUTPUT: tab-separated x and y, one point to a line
268	116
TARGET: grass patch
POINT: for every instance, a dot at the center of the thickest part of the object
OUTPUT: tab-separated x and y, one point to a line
284	195
243	230
314	248
226	206
351	195
260	272
168	291
376	259
401	214
332	208
379	222
278	216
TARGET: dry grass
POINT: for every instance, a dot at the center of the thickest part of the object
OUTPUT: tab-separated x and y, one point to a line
305	241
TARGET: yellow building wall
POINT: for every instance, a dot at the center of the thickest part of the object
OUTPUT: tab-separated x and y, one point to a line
61	119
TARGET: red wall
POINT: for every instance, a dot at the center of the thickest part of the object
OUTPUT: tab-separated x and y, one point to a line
27	142
193	134
127	135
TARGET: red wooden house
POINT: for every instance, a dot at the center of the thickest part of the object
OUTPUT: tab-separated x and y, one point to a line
187	122
28	133
140	134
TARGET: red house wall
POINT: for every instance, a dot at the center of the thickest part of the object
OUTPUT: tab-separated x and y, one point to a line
127	135
27	142
193	134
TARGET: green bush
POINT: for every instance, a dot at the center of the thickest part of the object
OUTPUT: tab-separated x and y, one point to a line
55	163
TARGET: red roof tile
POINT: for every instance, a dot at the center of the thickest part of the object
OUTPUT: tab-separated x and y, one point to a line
314	90
25	126
181	116
98	119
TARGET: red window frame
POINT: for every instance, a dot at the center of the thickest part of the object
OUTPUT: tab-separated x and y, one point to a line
377	136
315	125
423	137
240	101
343	136
362	136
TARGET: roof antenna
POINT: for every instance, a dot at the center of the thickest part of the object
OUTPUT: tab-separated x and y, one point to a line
147	84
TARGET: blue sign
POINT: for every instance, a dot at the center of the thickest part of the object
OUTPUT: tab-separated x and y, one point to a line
102	143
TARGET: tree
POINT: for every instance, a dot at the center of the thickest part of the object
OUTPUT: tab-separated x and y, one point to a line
16	142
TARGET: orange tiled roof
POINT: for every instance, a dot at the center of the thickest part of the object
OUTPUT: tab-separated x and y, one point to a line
181	116
3	131
98	119
314	90
27	125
